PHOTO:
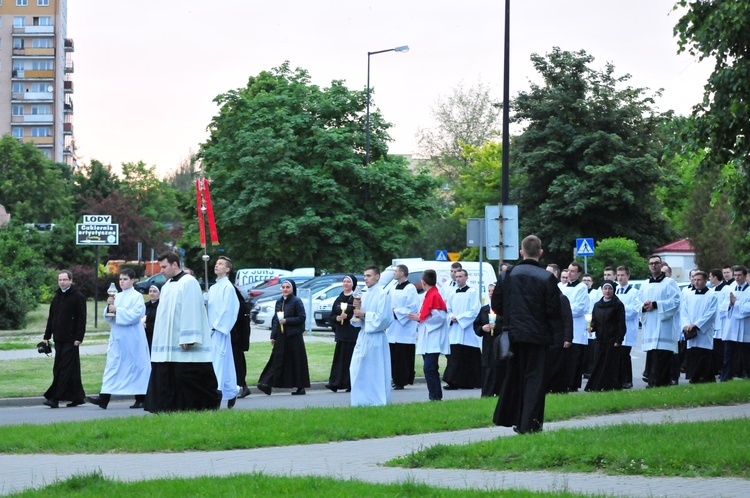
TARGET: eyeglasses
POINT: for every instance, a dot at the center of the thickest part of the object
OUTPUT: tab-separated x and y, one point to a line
655	263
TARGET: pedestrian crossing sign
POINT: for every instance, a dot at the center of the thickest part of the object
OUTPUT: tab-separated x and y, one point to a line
441	255
585	247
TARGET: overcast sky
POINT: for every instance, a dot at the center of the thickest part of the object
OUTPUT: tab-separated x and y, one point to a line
146	72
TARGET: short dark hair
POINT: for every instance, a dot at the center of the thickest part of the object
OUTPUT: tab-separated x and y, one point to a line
464	272
429	277
578	266
128	272
555	269
586	275
531	246
374	268
701	273
171	258
654	256
716	272
229	262
741	268
624	268
456	266
68	273
609	268
404	269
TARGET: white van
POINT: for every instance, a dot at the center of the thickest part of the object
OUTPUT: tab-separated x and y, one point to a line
248	276
443	269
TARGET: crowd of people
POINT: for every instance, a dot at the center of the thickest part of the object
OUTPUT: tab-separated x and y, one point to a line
545	330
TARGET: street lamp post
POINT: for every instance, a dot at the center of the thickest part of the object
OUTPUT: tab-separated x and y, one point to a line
402	49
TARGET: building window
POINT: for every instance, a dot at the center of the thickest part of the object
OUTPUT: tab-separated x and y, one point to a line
47	153
41	132
17	42
19	22
17	110
42	3
43	21
22	3
41	88
17	87
41	43
42	65
17	132
37	110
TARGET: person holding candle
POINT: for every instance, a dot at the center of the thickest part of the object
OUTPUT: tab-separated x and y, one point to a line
345	335
287	366
493	370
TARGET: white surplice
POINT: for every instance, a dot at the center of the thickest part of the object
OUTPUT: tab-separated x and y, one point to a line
700	310
370	369
737	325
629	298
464	306
128	364
223	307
403	301
578	295
661	326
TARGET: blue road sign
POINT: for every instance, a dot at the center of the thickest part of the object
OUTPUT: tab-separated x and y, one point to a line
441	255
585	247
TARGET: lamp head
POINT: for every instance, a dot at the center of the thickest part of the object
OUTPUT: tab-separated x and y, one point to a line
404	49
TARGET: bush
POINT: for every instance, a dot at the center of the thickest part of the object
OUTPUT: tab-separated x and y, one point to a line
140	270
16	300
85	280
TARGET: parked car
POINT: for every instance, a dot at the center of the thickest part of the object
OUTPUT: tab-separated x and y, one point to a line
323	304
262	312
269	287
314	284
157	279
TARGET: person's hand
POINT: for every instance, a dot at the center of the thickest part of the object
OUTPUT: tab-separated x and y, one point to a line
76	343
491	326
359	313
567	344
732	298
617	344
342	317
111	300
45	341
282	321
454	319
273	341
185	347
413	316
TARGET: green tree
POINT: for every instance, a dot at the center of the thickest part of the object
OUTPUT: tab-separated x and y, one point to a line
31	186
614	252
479	181
289	187
718	30
468	116
155	198
588	156
94	180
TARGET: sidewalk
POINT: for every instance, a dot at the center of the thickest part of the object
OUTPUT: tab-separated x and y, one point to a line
362	460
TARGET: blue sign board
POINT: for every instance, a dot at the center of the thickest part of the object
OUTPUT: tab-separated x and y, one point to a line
441	255
585	247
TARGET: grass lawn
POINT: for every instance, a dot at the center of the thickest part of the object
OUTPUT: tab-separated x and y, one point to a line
32	376
37	323
240	429
697	449
260	486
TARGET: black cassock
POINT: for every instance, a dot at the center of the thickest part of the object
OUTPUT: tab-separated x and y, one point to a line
608	321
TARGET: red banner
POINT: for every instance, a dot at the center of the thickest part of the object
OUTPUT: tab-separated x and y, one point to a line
203	196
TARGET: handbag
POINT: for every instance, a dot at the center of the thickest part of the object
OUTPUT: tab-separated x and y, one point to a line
44	348
501	347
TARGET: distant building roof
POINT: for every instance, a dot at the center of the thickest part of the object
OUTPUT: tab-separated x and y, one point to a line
682	245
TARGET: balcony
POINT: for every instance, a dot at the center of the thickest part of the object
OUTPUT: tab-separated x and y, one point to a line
67	128
34	73
40	140
36	118
68	67
33	96
34	30
45	52
69	45
68	108
68	86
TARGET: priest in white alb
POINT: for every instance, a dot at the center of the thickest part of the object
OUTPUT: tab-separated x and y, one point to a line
464	368
698	312
402	333
223	307
128	366
370	369
182	372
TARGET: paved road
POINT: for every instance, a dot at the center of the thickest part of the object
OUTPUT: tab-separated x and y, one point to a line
363	459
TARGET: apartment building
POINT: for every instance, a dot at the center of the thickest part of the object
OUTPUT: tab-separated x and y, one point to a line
36	90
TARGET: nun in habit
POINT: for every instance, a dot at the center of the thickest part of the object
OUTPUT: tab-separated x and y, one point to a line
287	366
608	321
345	336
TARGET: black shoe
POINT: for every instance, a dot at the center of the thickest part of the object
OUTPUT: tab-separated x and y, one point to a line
138	404
244	392
450	388
73	404
398	388
298	392
52	403
264	389
96	401
331	388
627	385
231	402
